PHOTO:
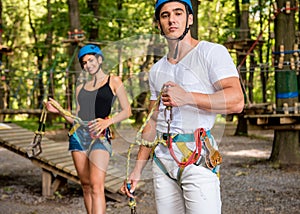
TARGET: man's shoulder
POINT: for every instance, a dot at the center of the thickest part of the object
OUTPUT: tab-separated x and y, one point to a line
159	63
209	45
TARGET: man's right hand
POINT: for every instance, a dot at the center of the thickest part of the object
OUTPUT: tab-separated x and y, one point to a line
132	181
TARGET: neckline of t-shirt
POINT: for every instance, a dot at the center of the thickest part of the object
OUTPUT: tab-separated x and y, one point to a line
193	49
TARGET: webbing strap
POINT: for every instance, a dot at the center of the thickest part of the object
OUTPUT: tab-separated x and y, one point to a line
74	128
162	166
186	152
195	154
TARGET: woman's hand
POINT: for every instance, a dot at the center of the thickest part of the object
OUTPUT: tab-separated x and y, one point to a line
50	107
98	125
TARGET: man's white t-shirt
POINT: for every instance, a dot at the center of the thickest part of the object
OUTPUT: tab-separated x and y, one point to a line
204	65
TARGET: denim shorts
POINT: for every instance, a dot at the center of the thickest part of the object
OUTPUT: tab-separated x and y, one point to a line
81	141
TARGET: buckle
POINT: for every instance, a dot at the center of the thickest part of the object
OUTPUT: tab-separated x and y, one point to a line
165	136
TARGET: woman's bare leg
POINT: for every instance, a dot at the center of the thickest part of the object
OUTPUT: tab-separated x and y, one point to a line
98	165
81	163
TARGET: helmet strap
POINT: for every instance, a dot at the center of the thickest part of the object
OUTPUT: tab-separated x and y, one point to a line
99	67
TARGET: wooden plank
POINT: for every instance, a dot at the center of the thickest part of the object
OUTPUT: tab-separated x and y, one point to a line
50	144
111	170
60	158
291	127
5	132
262	120
56	171
19	143
57	148
15	130
64	165
49	156
54	150
73	170
46	182
17	137
16	142
117	173
287	120
16	148
114	185
58	181
272	115
17	151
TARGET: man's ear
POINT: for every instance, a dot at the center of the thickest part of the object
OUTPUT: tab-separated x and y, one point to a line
158	25
190	19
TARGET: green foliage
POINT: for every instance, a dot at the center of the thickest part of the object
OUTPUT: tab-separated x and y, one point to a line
119	22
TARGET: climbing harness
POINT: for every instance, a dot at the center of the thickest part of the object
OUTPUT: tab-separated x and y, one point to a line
189	158
35	148
200	137
81	125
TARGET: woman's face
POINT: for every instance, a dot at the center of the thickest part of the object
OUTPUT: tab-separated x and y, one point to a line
91	63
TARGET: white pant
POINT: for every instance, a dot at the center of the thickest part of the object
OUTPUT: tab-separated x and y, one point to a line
199	192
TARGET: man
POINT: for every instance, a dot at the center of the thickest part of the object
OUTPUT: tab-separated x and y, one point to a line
198	80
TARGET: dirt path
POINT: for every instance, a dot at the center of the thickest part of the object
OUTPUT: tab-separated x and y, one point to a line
249	184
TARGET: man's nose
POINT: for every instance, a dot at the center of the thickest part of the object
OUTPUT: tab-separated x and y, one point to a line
172	18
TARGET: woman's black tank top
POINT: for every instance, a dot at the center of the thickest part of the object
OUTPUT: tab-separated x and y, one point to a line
95	104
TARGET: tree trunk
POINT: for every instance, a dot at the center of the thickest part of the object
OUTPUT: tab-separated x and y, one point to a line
93	5
48	43
39	54
285	148
194	27
2	91
74	24
242	126
286	142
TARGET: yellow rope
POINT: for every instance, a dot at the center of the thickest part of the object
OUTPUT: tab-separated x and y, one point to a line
76	119
138	139
141	142
65	112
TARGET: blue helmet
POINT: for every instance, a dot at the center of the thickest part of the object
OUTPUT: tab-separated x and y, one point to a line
159	4
89	49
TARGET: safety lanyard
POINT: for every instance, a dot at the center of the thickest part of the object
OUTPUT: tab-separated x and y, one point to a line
35	148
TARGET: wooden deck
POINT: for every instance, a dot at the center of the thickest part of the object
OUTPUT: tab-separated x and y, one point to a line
55	161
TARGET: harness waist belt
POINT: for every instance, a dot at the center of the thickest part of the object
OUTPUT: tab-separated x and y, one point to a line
183	137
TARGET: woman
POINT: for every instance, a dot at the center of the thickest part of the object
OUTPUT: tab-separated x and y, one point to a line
89	140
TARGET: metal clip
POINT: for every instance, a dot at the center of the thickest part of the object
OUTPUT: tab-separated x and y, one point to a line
35	148
132	201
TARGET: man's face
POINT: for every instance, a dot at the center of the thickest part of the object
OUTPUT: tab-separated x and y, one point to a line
172	19
91	63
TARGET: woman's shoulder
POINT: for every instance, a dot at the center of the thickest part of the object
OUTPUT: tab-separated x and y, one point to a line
115	79
115	82
80	86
